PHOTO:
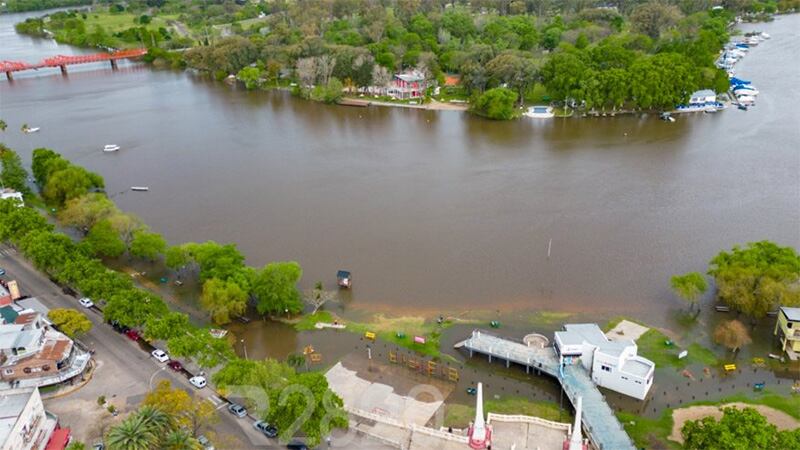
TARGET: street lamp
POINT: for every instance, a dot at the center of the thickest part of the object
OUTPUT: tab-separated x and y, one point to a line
245	349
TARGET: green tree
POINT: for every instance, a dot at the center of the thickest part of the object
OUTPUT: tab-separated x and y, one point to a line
13	175
85	211
653	17
133	307
689	287
46	161
71	322
104	240
69	183
181	440
3	125
197	343
732	334
223	299
176	257
166	326
251	76
75	445
146	244
757	278
738	429
275	288
496	104
191	413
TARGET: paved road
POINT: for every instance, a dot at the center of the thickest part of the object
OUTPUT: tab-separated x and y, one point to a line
125	372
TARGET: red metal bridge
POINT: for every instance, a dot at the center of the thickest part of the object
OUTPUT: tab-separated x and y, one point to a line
62	61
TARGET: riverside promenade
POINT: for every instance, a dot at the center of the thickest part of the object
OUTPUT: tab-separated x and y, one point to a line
599	421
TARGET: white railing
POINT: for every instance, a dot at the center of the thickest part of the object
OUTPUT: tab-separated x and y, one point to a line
376	417
439	434
380	438
530	419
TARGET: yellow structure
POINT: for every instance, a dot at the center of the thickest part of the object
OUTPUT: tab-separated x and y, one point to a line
788	330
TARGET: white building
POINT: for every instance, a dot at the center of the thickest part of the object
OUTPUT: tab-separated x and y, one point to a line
24	424
702	97
612	364
10	193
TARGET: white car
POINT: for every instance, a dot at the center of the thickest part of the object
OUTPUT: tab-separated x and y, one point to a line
160	355
86	302
198	382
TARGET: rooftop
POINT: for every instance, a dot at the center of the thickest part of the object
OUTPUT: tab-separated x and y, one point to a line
410	77
590	333
11	406
8	314
792	314
637	366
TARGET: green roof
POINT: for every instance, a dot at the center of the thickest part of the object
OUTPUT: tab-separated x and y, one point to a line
8	314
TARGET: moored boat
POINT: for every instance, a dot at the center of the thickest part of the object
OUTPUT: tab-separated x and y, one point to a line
540	112
111	148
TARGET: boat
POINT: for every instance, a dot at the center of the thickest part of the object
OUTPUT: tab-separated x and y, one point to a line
667	117
742	107
746	100
344	279
31	130
540	112
140	188
111	148
765	35
738	81
745	90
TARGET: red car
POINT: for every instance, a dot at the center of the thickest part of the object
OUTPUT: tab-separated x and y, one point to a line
133	335
175	365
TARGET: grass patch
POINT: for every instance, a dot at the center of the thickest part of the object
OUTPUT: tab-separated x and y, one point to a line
459	416
649	433
49	389
790	404
652	345
308	321
549	317
116	22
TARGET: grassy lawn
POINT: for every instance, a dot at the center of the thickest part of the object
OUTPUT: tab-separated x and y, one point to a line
459	416
653	433
648	433
114	23
398	330
652	345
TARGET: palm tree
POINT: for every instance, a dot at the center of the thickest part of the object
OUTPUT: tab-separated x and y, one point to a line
181	440
131	434
156	421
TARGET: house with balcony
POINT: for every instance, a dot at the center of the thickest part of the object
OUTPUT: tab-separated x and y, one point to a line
33	353
407	85
612	364
787	330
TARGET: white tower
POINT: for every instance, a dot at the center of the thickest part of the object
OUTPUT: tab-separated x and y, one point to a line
479	434
576	441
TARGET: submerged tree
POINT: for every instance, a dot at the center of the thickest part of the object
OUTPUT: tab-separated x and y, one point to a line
732	334
689	287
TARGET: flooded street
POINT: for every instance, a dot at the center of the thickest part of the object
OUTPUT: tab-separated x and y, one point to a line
431	211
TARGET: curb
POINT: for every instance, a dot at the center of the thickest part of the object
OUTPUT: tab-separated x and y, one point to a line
60	393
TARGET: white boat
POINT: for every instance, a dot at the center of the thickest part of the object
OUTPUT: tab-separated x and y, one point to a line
746	99
745	90
140	188
31	130
540	112
110	148
765	35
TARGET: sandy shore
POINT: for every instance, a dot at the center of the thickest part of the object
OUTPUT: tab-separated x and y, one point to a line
778	418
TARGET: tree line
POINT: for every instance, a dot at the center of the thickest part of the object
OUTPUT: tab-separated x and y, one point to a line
74	191
592	55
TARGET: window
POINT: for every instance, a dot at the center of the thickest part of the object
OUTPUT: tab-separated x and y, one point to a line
46	367
8	372
624	378
606	368
788	324
27	370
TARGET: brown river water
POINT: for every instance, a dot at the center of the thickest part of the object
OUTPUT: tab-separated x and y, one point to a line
432	211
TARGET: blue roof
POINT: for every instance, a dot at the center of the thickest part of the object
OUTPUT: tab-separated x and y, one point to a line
792	314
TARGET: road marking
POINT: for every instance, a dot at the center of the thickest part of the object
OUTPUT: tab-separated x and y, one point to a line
220	407
215	400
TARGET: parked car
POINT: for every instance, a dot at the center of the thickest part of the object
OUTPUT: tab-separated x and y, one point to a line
198	381
133	335
160	355
69	291
2	272
86	302
99	446
175	365
237	410
297	445
118	327
205	442
268	430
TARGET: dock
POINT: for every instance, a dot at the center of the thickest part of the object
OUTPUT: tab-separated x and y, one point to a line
599	421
